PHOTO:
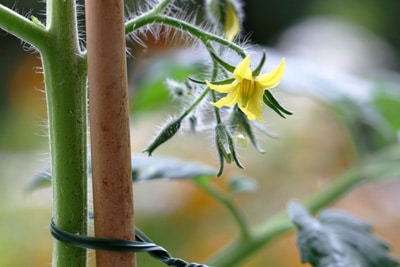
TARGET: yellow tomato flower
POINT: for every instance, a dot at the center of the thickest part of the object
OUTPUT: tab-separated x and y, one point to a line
247	91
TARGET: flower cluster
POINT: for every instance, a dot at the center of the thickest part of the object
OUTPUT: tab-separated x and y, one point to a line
235	103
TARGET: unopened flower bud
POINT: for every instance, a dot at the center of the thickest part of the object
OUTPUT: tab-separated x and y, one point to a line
225	13
226	147
167	133
222	140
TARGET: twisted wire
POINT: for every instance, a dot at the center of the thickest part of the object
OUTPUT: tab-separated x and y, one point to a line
143	244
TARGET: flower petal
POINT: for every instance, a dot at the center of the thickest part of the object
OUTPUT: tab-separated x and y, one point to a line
223	88
229	100
232	25
273	78
243	70
254	105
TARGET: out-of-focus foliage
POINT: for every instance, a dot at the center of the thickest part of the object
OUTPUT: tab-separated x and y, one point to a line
149	92
337	239
338	113
146	168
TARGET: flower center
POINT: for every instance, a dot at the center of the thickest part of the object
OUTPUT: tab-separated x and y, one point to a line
246	90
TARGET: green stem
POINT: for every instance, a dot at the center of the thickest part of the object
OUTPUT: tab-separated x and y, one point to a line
195	103
213	77
280	224
65	80
227	202
21	27
139	22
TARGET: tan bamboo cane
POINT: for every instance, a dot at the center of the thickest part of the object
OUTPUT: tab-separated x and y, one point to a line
109	128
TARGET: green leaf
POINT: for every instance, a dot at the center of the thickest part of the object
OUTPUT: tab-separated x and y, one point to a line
337	239
149	168
241	184
144	168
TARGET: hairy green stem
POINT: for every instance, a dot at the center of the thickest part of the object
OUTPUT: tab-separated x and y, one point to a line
65	80
239	251
213	77
21	27
195	103
139	22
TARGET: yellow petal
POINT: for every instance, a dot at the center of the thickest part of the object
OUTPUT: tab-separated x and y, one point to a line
254	106
273	78
231	27
229	100
222	88
243	70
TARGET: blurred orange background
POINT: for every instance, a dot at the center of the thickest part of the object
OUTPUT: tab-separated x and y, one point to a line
314	145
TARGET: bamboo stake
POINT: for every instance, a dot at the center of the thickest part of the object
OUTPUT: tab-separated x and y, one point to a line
109	128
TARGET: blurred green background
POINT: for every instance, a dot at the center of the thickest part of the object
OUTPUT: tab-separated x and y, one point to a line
342	83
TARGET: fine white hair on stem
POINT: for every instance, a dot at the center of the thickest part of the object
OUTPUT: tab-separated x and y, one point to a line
171	36
80	20
43	126
42	12
27	47
139	7
205	117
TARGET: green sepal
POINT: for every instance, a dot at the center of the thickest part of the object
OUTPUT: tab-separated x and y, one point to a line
225	147
234	154
226	66
196	81
222	141
221	162
272	99
230	80
257	70
242	122
270	105
271	102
